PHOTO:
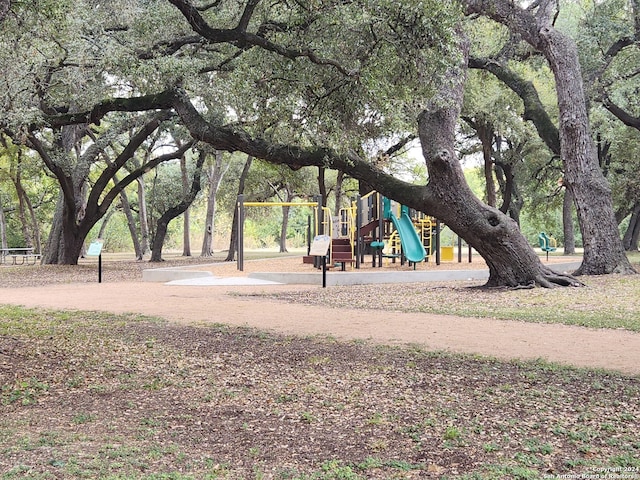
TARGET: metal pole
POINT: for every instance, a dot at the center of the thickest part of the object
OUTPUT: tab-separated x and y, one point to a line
378	252
437	242
324	271
100	268
359	240
459	249
308	234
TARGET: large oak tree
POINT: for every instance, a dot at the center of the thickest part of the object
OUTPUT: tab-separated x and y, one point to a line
313	77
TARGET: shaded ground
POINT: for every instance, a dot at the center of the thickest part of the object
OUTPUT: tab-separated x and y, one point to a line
369	312
97	395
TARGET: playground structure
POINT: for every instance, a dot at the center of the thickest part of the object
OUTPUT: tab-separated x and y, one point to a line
547	243
371	225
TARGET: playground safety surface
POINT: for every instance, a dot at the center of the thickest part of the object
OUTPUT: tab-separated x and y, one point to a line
247	305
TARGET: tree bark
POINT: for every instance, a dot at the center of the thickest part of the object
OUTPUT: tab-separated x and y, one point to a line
338	192
322	185
485	134
285	220
283	229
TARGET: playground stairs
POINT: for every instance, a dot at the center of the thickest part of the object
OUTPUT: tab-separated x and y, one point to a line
341	252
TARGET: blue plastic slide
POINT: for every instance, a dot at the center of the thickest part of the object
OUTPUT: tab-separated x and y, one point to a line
412	246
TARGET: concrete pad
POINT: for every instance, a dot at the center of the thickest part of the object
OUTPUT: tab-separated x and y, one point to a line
181	276
364	278
221	281
168	274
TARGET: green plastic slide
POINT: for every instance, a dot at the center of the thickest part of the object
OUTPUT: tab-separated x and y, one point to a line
412	247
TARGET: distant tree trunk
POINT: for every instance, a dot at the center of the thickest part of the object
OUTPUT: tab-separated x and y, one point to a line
16	176
567	224
105	222
338	192
131	224
511	203
322	186
233	241
485	134
3	227
285	222
630	239
215	174
55	243
163	222
143	218
283	229
186	230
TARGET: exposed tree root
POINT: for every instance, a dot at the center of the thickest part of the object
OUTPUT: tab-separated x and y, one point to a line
547	278
552	279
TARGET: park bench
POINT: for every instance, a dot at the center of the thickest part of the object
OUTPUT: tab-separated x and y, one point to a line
547	244
19	256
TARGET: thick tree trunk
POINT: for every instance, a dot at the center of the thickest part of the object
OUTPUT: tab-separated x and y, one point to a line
54	247
603	250
511	260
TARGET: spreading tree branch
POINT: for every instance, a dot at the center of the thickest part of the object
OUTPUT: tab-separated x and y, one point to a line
240	37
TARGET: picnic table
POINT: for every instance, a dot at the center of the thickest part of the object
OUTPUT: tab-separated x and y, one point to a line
19	256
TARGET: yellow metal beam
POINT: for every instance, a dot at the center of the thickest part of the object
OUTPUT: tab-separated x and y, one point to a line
280	204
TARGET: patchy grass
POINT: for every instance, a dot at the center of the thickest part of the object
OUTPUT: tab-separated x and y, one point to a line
610	301
87	395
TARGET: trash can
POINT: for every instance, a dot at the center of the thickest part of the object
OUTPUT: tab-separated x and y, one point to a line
446	254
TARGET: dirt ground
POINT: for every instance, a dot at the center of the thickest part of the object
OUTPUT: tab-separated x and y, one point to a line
124	292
